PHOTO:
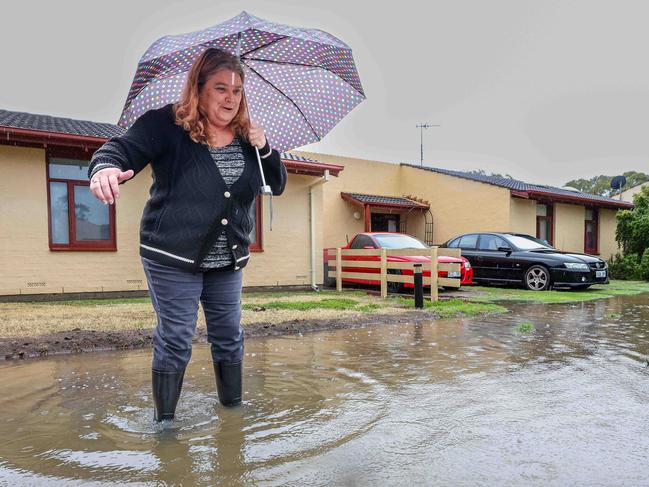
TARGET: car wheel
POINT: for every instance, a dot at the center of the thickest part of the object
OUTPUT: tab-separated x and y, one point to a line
537	278
395	287
326	280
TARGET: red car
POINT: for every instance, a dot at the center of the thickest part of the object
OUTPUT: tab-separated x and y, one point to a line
388	240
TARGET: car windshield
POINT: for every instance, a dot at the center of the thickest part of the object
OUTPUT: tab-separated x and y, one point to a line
399	242
528	243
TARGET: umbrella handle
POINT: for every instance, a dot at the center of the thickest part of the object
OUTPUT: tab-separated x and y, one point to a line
265	189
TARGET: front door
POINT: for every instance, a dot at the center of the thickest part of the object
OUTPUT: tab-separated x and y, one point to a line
383	222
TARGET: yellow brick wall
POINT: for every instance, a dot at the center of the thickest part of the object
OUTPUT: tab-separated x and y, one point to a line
569	223
607	225
458	205
359	176
286	256
25	256
631	192
523	216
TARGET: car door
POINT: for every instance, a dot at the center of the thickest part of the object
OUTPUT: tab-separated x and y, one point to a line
468	244
494	264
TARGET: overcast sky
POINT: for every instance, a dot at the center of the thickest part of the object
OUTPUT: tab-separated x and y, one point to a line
546	91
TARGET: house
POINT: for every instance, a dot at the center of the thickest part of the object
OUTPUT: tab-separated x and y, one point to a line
627	195
56	238
437	204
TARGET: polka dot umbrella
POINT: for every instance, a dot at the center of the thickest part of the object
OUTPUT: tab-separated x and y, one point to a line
299	82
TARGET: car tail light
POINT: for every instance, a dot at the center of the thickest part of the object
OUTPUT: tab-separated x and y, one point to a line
467	264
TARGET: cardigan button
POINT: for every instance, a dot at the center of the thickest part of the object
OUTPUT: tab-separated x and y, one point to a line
234	247
224	221
227	194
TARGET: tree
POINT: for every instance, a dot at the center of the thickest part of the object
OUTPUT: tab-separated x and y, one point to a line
601	185
632	231
632	234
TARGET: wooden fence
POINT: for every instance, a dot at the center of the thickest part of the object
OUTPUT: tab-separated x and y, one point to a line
345	258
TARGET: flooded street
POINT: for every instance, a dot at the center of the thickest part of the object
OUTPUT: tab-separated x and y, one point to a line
474	401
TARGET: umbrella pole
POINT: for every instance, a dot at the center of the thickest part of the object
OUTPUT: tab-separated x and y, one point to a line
265	189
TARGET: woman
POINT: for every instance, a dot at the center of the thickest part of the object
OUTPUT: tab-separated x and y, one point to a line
194	233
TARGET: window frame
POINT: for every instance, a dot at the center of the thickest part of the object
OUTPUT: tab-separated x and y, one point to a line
595	222
73	244
548	218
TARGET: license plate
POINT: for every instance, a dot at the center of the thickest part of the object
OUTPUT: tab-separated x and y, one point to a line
453	274
599	274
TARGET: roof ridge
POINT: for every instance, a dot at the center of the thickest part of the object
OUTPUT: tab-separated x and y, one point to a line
516	184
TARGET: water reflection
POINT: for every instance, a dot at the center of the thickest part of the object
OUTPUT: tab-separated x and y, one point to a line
457	401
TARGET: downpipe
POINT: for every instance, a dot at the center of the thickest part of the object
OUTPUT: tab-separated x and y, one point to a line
318	182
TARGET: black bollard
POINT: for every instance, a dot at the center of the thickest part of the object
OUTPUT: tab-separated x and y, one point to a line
419	287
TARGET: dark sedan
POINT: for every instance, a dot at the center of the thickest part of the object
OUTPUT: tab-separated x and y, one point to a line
512	258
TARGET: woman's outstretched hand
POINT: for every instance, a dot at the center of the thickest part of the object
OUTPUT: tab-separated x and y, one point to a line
104	185
256	136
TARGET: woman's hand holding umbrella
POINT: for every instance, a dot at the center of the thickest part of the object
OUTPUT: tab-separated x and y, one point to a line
257	136
105	183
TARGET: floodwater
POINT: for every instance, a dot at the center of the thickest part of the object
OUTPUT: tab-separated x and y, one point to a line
456	402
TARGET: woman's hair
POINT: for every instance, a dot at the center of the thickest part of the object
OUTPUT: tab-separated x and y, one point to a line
187	110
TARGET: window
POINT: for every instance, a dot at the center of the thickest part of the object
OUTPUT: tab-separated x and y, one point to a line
77	220
591	231
491	242
399	242
468	242
544	223
453	243
361	241
255	235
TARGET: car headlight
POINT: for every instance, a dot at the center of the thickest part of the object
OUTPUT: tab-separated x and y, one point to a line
576	266
467	265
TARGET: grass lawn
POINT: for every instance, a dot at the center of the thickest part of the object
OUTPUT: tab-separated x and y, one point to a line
38	318
615	288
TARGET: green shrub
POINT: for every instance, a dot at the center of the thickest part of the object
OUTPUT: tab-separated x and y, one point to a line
644	265
625	267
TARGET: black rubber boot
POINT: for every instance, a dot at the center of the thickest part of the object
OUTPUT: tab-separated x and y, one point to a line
166	391
228	382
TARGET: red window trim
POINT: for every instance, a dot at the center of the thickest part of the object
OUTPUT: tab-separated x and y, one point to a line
258	245
595	222
549	218
74	244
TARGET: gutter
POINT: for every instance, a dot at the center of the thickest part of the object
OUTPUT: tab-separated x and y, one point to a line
583	201
318	182
12	135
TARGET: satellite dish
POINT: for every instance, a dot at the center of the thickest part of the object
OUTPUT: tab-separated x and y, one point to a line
618	182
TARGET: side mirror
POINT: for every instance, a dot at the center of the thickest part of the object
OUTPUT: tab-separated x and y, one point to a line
505	249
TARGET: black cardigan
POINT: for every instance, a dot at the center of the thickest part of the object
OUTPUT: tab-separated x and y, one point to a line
189	204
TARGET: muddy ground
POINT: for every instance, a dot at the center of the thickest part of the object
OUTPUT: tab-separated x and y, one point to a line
80	341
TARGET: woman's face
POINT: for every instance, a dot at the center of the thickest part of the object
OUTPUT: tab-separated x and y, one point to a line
220	98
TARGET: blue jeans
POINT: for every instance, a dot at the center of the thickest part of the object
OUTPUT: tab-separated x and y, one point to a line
175	295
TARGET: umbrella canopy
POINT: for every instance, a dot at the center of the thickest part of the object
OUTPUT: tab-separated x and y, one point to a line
299	82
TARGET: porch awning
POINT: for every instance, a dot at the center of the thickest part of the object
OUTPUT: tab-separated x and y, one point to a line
387	202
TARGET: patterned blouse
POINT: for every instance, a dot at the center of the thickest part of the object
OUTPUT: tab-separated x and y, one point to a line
230	163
